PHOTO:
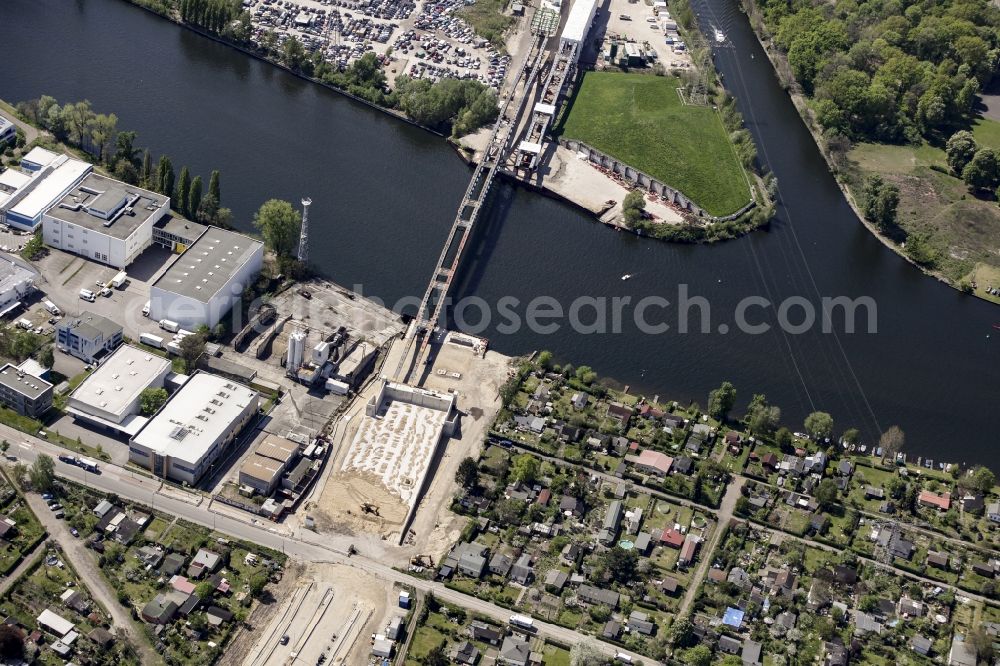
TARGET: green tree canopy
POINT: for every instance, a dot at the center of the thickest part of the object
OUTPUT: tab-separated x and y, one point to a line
42	473
467	474
819	425
151	399
279	223
721	401
524	468
960	149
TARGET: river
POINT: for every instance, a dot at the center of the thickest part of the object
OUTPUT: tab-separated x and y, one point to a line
384	195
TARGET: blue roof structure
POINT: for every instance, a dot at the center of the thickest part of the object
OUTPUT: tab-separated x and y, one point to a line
733	617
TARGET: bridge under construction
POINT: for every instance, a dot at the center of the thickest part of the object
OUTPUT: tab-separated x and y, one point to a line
542	78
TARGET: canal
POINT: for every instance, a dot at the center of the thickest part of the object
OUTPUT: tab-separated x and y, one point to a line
384	195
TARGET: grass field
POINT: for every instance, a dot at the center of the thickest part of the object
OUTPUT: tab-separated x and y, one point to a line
487	18
640	119
962	230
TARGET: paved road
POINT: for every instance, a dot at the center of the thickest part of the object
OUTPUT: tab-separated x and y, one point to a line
30	132
26	563
724	515
90	573
145	490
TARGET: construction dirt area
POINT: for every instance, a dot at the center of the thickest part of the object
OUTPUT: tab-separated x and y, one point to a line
324	618
347	498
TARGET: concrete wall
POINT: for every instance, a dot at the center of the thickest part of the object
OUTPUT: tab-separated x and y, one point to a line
647	182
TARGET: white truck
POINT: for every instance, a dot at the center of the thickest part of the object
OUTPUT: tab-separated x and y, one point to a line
25	324
151	340
171	326
118	280
522	622
52	308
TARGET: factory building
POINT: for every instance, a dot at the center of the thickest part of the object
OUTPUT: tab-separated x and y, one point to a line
89	337
176	234
7	131
25	394
49	177
104	220
109	397
581	15
263	469
16	283
194	428
204	282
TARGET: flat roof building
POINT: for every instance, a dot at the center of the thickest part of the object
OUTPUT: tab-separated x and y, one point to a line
581	15
204	283
194	428
90	337
7	130
105	220
51	177
109	397
25	394
176	234
262	470
16	282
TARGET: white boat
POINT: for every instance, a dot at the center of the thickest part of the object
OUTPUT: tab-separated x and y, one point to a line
720	36
627	276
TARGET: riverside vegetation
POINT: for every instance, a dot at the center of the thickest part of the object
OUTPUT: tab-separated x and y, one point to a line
459	106
891	89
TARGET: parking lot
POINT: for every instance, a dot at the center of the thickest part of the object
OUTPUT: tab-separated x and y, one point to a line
63	275
422	39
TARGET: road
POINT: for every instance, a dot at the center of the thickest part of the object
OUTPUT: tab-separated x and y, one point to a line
145	490
724	515
90	574
30	132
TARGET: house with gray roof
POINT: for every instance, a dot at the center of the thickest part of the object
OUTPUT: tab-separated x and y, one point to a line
596	595
514	651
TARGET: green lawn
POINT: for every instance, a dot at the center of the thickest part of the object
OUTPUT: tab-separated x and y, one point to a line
640	119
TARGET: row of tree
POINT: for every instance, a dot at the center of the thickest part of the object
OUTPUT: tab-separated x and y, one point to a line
213	15
98	135
883	71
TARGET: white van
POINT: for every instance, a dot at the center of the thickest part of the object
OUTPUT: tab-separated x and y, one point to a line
52	308
145	309
168	325
88	295
25	324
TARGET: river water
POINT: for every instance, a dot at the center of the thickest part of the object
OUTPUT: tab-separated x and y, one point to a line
384	195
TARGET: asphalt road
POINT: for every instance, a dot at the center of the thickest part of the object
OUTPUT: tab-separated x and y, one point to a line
195	508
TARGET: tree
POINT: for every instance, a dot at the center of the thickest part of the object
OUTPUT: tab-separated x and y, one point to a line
545	359
585	374
147	169
293	53
585	653
983	170
204	590
621	564
214	188
279	224
42	473
762	418
183	190
151	399
194	197
192	347
721	401
468	473
981	479
826	493
524	468
258	582
819	425
165	176
982	643
699	655
892	441
633	208
11	643
960	149
437	655
881	200
47	357
851	436
783	438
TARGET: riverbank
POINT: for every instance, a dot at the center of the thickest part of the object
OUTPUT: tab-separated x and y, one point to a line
782	71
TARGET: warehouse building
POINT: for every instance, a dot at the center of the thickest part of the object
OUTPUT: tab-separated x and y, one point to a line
194	429
109	397
105	220
50	177
16	283
8	132
90	337
25	394
263	469
207	280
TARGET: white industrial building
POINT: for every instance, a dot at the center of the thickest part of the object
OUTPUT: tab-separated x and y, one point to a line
16	283
581	15
7	131
109	397
207	280
49	177
194	428
104	220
